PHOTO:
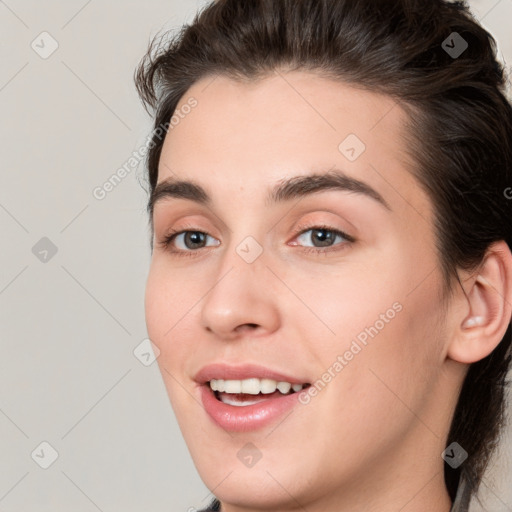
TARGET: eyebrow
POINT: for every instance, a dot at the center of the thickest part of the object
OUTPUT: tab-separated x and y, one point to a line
285	190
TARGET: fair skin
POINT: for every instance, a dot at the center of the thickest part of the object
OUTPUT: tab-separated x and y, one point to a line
371	439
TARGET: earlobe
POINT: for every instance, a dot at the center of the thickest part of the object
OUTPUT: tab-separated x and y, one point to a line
489	299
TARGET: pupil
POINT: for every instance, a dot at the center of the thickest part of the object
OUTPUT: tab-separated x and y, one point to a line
324	238
194	237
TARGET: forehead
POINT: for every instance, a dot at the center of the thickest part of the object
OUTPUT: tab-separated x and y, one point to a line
251	134
290	107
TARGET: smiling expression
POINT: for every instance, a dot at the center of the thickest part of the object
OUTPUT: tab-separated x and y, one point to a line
286	224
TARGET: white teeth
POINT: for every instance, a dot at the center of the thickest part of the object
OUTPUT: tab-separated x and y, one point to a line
268	386
233	401
232	386
284	387
253	386
250	386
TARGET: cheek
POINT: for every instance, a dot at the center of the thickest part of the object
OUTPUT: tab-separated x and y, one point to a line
171	309
356	301
162	312
375	328
390	358
169	298
156	296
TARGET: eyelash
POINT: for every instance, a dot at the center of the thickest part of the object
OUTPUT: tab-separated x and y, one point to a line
166	242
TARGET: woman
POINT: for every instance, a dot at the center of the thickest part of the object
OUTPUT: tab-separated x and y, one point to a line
331	278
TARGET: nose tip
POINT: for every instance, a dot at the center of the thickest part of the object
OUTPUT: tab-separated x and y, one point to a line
235	308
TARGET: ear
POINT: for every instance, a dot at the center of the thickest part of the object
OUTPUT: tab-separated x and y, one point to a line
488	310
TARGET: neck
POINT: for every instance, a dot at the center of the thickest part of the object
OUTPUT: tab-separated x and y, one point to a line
406	477
427	493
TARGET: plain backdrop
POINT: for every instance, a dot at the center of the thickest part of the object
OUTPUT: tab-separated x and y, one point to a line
74	396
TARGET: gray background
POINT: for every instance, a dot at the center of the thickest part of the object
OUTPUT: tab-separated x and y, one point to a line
69	325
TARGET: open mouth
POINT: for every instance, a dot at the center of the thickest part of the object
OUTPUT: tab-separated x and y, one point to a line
242	393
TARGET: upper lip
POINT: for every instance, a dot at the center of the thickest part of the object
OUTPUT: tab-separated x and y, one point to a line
241	372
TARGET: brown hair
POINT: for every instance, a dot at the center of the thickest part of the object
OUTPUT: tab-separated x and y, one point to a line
460	128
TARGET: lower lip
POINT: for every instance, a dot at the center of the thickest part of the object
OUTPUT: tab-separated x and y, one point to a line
249	417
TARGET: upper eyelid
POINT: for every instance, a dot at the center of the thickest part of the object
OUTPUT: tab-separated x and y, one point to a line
303	228
323	209
300	229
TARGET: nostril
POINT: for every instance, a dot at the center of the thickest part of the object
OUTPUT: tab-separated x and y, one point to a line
247	327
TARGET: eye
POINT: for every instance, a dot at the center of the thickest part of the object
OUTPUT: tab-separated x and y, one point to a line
325	237
187	241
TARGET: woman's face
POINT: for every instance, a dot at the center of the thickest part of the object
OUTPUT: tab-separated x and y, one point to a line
260	284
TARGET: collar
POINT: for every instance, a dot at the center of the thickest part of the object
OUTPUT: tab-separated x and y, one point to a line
461	502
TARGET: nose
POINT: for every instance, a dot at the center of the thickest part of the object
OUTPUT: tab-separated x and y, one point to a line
242	299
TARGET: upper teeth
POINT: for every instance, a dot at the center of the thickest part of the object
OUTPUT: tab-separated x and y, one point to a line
252	386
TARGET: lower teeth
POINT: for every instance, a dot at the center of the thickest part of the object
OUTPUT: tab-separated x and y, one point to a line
244	400
230	400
